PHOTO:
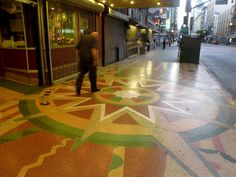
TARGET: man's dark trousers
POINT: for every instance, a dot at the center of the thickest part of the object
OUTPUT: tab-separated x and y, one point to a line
87	66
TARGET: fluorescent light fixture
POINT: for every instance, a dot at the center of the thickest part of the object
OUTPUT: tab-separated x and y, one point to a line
92	1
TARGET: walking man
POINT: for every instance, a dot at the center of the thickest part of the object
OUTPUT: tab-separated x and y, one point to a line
88	54
164	44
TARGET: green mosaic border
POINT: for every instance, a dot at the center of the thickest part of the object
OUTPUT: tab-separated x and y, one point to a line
53	126
28	109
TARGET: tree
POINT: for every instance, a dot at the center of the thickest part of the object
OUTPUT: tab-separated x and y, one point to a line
202	33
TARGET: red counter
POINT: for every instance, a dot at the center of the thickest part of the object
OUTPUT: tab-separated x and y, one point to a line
20	65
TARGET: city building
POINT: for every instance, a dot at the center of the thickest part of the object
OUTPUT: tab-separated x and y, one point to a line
217	18
219	14
200	20
233	24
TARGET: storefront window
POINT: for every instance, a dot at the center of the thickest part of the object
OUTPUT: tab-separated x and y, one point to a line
61	25
87	22
11	25
84	22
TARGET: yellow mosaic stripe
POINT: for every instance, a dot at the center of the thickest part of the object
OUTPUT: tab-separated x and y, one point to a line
10	123
5	105
41	158
117	169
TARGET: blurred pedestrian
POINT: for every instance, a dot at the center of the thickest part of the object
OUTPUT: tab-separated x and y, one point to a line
148	44
88	55
164	44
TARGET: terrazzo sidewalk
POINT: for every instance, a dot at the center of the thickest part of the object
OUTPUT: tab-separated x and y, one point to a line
150	119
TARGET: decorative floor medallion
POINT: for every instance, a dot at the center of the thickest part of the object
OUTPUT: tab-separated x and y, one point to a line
147	116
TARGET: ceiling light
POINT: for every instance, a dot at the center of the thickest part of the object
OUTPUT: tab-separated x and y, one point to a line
131	2
112	5
103	1
158	3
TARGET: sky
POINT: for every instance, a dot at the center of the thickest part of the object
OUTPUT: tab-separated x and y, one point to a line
181	12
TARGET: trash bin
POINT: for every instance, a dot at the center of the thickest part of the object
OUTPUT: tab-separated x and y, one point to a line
189	50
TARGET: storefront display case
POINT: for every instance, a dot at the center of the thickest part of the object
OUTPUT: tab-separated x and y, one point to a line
66	25
62	36
17	42
12	29
61	25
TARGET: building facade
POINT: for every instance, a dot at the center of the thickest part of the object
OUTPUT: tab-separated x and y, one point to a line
233	20
38	38
220	14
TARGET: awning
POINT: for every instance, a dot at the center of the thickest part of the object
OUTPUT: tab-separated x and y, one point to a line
142	3
87	4
118	15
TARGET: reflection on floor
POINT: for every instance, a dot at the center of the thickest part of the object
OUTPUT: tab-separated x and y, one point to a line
150	119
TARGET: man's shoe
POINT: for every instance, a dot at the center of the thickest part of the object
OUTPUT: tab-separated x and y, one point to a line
96	90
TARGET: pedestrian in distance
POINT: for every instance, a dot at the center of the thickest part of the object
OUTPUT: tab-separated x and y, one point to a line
148	44
88	59
164	44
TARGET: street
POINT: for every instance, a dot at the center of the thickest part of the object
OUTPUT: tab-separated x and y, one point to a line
221	61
